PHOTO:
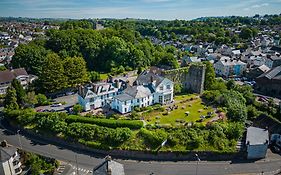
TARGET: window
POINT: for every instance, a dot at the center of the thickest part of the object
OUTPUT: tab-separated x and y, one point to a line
125	109
107	95
92	99
101	97
160	99
161	88
138	100
125	103
132	101
142	100
168	86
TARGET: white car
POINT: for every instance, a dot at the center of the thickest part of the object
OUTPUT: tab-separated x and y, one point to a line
56	105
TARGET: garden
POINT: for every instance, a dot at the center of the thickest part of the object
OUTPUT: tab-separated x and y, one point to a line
186	109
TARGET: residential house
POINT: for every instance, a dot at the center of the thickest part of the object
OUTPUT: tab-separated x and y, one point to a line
273	61
227	67
148	89
189	59
254	61
269	83
257	141
7	76
9	160
97	95
109	167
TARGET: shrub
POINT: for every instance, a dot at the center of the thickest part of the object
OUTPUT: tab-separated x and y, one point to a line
111	123
153	138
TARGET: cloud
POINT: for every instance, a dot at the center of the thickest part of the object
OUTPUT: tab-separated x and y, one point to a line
260	5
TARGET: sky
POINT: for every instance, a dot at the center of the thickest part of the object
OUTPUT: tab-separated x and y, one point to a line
145	9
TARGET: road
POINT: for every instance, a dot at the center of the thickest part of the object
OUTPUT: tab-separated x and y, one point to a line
88	162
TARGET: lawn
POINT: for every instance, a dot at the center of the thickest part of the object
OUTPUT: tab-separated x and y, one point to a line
103	76
191	104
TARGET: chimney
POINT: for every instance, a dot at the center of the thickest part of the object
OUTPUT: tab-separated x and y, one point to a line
108	158
151	79
4	143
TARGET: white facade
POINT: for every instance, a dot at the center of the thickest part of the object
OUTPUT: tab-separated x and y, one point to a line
11	166
143	96
96	96
227	67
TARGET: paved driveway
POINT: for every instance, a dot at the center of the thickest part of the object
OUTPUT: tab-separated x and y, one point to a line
70	100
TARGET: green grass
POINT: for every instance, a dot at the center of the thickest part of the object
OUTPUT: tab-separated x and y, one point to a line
103	76
186	103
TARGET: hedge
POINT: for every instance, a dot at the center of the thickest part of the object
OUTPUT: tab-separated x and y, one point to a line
111	123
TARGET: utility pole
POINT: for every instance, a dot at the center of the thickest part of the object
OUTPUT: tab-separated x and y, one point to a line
76	164
18	131
198	160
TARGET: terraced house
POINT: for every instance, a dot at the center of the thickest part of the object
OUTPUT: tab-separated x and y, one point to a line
148	89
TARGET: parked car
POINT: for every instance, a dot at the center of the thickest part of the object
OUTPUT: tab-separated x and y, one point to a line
56	105
69	93
39	110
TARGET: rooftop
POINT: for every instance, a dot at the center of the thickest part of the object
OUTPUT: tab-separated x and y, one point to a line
256	136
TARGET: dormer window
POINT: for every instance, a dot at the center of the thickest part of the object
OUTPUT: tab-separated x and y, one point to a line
161	88
168	86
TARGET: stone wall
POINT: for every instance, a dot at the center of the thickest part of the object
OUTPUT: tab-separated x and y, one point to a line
191	78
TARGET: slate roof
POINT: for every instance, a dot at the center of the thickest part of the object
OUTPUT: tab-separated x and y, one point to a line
264	68
135	92
145	78
230	62
6	153
256	136
139	91
97	89
274	73
124	97
9	75
6	76
109	167
19	72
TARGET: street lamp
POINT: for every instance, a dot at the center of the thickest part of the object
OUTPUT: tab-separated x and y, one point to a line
18	131
198	160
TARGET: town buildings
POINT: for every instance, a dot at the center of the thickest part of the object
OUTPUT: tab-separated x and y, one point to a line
7	76
148	89
97	95
9	160
269	83
227	67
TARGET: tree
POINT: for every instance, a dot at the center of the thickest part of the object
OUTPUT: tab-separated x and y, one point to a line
2	68
30	99
209	76
10	101
178	88
31	57
94	76
77	108
41	99
19	91
230	84
75	70
246	33
52	77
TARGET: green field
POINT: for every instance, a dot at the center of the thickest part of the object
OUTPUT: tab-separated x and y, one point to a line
185	103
